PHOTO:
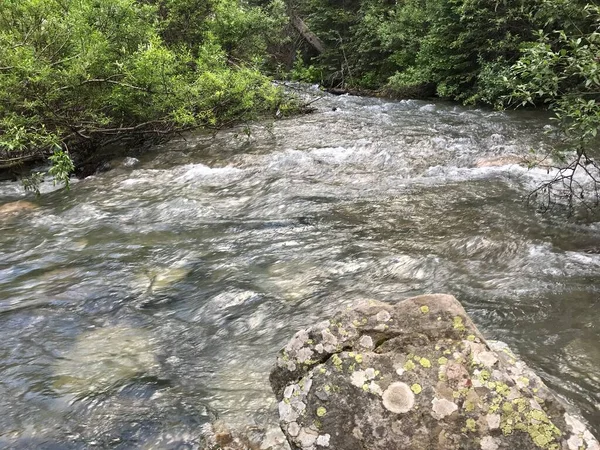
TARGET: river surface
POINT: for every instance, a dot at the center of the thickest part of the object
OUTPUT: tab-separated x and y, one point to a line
150	299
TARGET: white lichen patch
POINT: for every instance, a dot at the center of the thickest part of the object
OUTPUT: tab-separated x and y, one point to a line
489	443
323	440
304	354
328	337
297	342
493	421
293	429
383	316
307	437
398	398
289	413
442	408
306	384
375	389
359	378
575	442
590	441
289	391
488	359
581	437
366	342
575	425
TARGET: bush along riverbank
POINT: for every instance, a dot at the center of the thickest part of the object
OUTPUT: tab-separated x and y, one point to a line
541	53
78	79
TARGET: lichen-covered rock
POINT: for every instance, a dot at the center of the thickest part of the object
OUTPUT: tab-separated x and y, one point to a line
416	375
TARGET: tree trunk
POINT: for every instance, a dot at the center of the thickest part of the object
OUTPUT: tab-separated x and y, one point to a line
305	32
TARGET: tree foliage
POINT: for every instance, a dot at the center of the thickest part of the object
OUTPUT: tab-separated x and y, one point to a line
505	53
561	69
79	75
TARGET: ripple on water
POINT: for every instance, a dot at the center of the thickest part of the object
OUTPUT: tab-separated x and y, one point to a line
139	305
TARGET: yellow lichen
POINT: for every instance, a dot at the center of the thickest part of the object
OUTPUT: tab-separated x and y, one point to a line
521	404
321	411
458	323
337	362
443	361
416	388
471	425
424	309
358	358
538	415
425	363
502	389
409	365
524	381
471	338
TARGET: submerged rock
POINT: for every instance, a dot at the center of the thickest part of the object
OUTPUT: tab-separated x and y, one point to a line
18	207
103	359
415	375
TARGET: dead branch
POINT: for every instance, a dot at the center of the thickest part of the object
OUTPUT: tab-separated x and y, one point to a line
565	189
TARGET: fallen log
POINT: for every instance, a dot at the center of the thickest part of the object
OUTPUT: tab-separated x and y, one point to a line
305	32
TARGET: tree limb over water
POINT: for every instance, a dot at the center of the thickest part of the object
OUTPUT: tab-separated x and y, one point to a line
81	76
561	70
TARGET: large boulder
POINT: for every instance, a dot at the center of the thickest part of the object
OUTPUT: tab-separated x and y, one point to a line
415	375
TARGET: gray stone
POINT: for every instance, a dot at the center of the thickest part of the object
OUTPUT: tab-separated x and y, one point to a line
415	375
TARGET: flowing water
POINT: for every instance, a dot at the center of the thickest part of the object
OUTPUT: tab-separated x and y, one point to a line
150	299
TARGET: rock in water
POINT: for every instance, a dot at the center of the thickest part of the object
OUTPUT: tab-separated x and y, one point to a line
103	359
415	375
18	207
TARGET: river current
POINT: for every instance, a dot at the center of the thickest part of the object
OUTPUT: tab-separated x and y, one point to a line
152	298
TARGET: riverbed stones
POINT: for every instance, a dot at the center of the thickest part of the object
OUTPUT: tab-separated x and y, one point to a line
104	359
16	208
415	375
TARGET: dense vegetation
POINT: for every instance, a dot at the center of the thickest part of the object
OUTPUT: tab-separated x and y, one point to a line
77	76
505	53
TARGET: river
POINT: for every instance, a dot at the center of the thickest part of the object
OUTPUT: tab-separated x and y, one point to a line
150	299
